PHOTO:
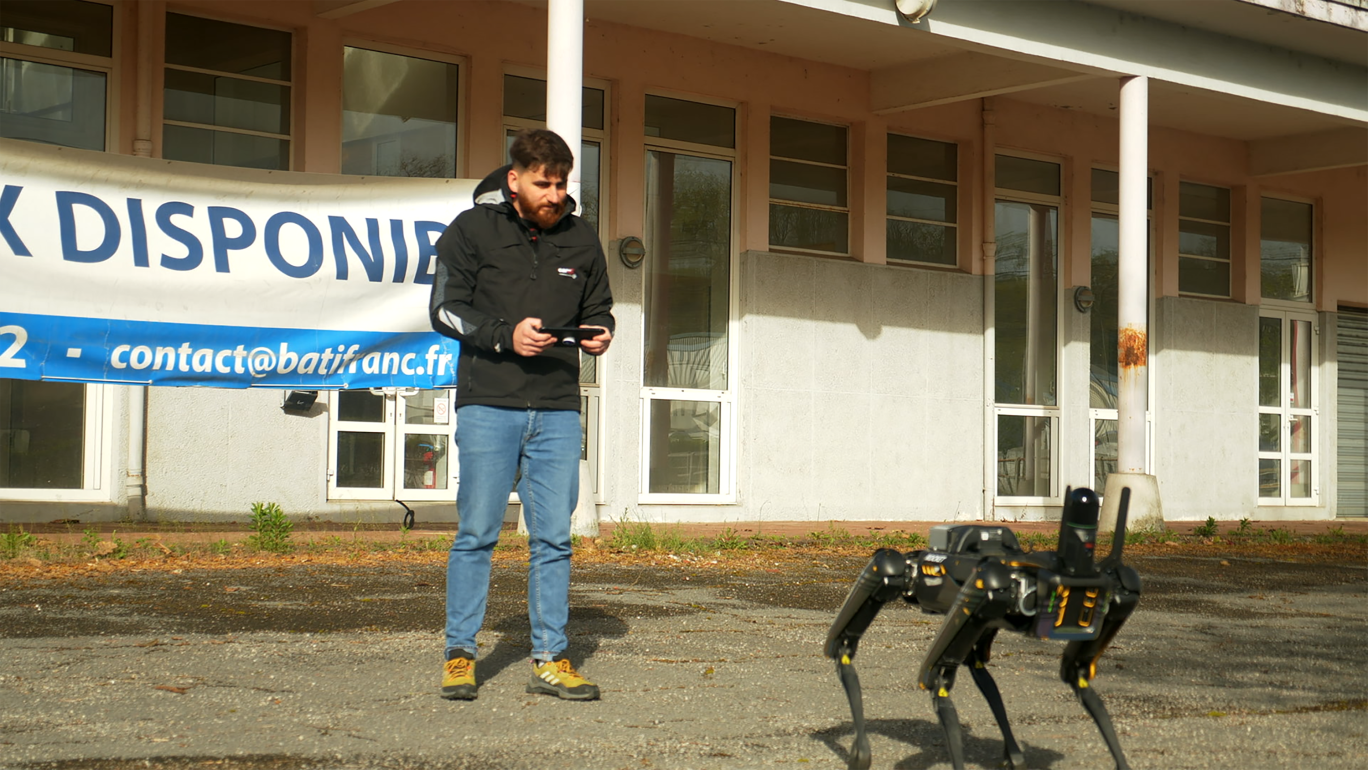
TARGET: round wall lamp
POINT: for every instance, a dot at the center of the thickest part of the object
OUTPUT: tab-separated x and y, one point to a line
1083	298
914	10
632	251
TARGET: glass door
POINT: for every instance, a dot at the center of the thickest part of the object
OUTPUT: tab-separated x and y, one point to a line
391	444
687	397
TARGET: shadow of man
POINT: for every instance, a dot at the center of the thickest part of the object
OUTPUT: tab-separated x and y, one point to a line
587	627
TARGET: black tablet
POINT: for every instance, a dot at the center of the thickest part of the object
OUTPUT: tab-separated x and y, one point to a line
571	334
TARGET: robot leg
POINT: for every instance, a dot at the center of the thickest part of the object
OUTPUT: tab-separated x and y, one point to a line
883	579
978	662
984	600
1079	664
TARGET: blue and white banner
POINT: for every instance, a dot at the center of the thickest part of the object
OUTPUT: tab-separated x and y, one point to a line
132	270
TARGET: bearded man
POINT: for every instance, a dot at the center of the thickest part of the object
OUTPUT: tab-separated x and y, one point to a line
517	263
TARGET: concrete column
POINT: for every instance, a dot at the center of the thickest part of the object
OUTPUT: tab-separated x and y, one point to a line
1133	264
1133	324
565	77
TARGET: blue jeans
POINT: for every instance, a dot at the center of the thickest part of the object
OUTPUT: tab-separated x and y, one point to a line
493	444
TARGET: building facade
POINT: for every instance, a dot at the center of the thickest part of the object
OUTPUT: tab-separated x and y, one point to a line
866	267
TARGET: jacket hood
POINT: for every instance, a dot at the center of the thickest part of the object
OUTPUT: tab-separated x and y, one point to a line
493	191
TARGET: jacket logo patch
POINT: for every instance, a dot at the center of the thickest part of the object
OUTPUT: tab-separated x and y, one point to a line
568	272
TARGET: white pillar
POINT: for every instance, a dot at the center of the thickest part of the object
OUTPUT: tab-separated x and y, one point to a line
565	77
1146	511
1132	270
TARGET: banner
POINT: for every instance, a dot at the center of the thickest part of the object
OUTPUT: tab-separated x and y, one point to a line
138	271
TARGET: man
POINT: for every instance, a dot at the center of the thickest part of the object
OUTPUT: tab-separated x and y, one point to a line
518	262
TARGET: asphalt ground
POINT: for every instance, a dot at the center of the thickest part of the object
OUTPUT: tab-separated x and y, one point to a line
1230	661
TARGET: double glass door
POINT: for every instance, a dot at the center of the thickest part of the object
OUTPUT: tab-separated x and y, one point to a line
391	444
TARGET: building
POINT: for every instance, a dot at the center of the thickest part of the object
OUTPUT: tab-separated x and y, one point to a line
880	269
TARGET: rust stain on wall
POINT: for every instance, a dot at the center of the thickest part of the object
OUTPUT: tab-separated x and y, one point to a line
1132	344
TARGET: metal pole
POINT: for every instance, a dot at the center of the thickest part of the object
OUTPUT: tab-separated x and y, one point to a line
565	77
1133	283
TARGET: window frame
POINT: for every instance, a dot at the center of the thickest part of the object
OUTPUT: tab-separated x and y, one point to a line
888	174
847	210
1055	414
1291	304
462	64
729	400
109	66
1285	412
394	428
293	85
97	449
1229	225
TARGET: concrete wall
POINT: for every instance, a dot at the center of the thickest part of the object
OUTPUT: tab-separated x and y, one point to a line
861	387
1205	407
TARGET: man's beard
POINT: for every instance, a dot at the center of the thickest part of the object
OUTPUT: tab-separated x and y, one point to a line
547	216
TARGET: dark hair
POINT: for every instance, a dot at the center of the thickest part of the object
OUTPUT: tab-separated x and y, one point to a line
535	148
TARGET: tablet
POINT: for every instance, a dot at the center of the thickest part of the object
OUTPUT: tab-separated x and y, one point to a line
572	334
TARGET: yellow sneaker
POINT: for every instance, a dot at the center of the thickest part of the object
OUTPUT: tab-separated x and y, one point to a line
559	678
458	679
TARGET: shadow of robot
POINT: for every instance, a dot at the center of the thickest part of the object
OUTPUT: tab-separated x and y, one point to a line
929	740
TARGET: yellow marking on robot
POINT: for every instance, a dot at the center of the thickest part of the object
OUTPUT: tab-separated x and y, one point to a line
1082	683
944	693
845	660
1063	594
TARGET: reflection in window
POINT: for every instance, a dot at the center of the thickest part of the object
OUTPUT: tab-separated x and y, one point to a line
398	115
1025	303
360	459
1285	250
1023	456
686	447
42	435
808	180
688	210
921	200
227	93
1203	240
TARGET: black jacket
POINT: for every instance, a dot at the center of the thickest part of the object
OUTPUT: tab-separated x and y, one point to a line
493	270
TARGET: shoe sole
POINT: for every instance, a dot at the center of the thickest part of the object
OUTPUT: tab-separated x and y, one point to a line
538	686
460	692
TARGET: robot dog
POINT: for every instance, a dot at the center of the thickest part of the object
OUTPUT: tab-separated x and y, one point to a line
979	577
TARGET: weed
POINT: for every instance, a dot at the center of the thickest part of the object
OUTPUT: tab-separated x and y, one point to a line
270	528
14	543
1206	530
91	538
631	535
220	547
1245	529
729	540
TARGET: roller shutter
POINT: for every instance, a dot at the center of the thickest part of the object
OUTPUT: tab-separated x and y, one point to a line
1352	347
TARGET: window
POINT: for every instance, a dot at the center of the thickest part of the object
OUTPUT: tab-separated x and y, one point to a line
55	62
1203	240
398	115
688	422
227	94
1285	250
1288	408
921	201
391	444
808	209
525	107
1026	328
56	57
1103	369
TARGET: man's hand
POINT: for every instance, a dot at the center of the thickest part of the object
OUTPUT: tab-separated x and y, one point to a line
598	344
527	341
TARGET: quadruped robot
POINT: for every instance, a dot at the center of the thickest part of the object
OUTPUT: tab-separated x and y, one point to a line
981	579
